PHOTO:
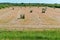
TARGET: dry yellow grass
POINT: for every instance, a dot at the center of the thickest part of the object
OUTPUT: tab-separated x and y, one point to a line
35	20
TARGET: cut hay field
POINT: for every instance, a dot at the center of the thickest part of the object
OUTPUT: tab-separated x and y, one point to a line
9	18
35	26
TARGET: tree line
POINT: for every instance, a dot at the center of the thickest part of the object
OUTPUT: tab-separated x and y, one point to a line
4	5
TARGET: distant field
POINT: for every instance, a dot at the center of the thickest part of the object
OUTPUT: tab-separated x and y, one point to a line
30	35
35	20
35	26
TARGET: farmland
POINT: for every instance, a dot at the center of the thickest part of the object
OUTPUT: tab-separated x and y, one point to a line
29	21
9	18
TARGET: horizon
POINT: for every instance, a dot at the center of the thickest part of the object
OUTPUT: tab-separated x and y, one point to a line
30	1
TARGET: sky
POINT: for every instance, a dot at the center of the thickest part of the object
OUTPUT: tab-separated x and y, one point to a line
31	1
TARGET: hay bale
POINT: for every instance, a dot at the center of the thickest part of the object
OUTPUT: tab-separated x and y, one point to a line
31	11
44	10
22	16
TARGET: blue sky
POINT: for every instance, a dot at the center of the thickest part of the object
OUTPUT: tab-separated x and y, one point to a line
31	1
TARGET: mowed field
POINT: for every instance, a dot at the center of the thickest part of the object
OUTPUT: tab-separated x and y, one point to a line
35	26
9	18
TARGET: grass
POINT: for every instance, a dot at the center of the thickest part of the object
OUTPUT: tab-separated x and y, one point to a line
30	35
